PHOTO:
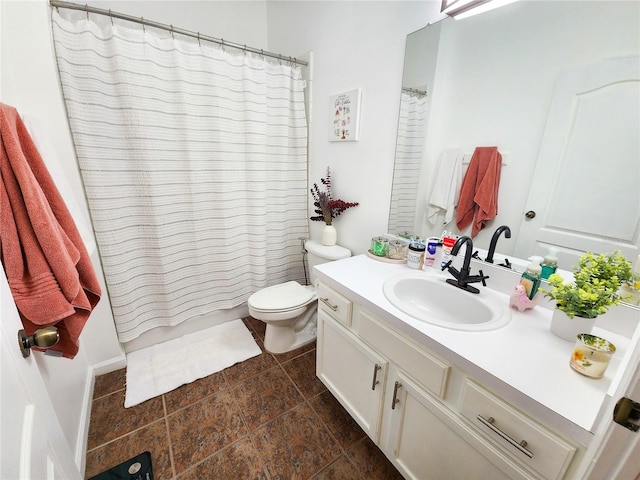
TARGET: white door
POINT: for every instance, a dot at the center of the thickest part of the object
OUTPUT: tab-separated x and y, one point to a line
32	444
585	193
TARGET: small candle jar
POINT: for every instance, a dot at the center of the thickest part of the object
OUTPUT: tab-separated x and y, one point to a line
415	256
379	246
398	250
591	355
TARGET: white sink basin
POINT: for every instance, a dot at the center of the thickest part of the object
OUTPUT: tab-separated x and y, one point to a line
429	298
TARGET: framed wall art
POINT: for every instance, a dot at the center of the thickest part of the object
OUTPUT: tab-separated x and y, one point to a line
344	113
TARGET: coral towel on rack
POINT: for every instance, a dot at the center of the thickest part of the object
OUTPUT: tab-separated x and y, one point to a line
479	192
47	265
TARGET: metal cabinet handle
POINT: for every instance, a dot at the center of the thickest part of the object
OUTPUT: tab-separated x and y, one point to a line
395	399
520	446
627	414
326	302
375	375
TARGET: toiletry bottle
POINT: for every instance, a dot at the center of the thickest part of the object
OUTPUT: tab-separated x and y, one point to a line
431	251
549	263
530	279
448	241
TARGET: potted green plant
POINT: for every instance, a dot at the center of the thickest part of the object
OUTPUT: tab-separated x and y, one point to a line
327	208
596	285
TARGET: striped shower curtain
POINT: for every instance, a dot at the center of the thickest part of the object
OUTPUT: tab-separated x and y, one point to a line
194	162
406	176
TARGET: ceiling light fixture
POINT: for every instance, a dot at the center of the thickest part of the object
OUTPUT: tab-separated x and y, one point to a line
460	9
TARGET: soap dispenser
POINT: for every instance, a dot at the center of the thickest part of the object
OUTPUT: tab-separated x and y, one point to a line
549	263
530	279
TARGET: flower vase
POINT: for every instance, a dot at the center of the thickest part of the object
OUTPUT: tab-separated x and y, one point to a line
568	328
329	235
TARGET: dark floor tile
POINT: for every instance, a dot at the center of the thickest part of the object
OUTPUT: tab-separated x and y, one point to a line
237	461
257	326
152	438
203	428
371	462
110	420
243	370
344	428
263	397
341	469
194	391
285	357
302	371
296	445
110	383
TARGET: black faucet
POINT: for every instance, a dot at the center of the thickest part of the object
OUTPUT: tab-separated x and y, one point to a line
494	241
462	277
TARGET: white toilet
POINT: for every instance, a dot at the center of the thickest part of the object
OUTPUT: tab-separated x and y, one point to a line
289	309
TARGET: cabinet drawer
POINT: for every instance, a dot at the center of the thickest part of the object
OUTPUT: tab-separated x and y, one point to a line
335	304
531	443
426	369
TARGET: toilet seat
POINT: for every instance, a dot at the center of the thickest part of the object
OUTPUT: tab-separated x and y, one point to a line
281	298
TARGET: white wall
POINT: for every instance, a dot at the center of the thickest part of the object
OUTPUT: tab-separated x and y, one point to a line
355	45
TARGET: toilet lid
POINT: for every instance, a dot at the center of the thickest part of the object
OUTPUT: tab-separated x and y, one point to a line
284	296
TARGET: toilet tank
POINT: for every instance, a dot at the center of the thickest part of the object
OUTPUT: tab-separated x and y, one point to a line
318	253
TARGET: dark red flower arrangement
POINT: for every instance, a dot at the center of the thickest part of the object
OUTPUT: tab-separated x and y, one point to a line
326	207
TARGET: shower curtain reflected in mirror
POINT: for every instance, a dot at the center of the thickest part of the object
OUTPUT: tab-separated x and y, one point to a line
194	162
409	148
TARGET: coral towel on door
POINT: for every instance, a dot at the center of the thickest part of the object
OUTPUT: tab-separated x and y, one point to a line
47	265
479	192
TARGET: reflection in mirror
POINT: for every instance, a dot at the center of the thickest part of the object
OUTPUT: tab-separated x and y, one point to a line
419	69
491	80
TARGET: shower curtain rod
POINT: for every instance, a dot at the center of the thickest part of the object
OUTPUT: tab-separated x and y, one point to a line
421	93
172	29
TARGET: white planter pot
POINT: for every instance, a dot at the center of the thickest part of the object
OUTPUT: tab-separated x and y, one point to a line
569	328
329	235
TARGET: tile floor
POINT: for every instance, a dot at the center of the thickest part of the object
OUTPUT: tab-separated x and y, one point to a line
266	418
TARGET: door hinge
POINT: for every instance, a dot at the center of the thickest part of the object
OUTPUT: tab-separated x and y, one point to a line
627	414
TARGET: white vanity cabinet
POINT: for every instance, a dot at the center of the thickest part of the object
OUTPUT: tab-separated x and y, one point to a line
354	373
426	440
422	412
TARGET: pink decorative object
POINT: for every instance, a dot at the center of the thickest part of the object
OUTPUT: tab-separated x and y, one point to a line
519	299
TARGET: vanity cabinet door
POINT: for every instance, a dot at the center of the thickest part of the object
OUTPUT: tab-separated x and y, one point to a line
425	440
353	373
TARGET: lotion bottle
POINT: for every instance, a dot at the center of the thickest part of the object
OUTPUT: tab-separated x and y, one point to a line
530	279
549	263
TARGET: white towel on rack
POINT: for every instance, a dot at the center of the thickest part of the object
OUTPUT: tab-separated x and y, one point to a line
446	187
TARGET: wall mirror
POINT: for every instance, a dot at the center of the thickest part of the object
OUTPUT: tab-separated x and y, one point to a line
492	79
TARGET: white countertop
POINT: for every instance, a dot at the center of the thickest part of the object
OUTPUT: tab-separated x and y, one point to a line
523	361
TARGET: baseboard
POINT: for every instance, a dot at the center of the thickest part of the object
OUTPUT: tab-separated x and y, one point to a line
85	418
93	371
109	366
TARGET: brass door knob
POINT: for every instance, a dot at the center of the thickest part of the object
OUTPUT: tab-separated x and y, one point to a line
530	214
42	338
